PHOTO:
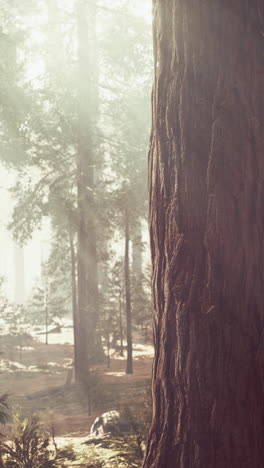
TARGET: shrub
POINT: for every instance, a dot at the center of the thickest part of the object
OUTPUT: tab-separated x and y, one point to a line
3	408
28	447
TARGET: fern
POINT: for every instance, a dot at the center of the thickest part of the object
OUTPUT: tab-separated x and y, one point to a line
3	408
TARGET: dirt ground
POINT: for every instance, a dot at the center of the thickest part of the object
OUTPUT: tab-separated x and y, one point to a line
36	383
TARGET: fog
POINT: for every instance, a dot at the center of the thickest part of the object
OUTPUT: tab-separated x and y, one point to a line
75	303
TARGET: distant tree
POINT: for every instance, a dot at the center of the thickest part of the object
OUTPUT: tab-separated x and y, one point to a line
141	301
48	304
129	364
87	260
112	308
13	319
126	138
17	326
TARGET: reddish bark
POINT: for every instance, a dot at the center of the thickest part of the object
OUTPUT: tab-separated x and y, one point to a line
207	231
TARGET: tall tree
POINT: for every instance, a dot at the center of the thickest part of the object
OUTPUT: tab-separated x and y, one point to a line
206	226
129	363
86	160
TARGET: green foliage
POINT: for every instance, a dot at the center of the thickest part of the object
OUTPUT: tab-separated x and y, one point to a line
110	451
3	408
112	303
16	322
51	298
28	447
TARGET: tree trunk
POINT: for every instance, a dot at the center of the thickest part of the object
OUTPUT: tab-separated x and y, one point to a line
137	251
121	323
129	364
87	249
76	325
108	352
46	312
206	227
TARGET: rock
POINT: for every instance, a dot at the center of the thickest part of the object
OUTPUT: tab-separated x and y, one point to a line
111	422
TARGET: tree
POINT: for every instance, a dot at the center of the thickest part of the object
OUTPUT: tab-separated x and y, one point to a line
111	303
81	126
141	302
129	364
206	228
51	299
86	163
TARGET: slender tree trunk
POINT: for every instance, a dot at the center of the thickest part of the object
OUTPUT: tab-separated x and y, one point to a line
87	249
76	325
137	251
46	313
108	352
206	227
129	365
121	332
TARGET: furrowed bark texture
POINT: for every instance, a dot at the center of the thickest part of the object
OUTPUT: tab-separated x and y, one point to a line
207	235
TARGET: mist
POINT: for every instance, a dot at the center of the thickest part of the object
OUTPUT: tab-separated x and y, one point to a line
75	295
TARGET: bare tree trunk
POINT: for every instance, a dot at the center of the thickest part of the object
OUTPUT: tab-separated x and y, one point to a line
129	365
121	331
76	325
87	248
46	312
137	250
108	352
206	227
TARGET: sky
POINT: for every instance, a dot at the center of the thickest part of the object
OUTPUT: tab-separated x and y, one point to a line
34	250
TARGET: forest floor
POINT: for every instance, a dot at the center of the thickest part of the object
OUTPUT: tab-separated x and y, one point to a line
36	381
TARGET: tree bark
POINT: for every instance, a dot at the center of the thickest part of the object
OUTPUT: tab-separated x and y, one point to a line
206	177
121	302
129	363
137	250
87	248
46	299
76	325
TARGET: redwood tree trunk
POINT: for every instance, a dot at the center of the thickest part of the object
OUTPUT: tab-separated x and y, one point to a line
86	160
129	363
207	230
